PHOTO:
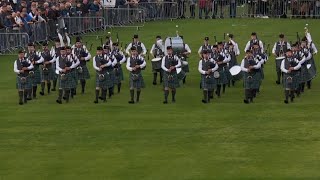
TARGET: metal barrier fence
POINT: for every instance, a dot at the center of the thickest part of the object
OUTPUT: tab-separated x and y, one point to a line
136	15
159	11
10	41
124	17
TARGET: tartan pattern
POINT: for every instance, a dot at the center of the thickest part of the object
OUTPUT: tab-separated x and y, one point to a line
47	76
223	79
106	83
181	75
313	69
295	80
251	83
170	80
53	73
156	66
208	82
118	75
74	75
85	73
26	85
36	79
304	74
139	83
68	83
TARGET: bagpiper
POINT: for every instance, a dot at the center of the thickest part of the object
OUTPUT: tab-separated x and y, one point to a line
22	67
135	64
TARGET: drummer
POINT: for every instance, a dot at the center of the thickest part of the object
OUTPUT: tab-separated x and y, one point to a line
142	51
308	44
222	60
206	46
279	49
303	58
254	38
259	58
233	50
183	56
157	51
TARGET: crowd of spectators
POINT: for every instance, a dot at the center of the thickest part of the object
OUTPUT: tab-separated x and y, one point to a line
17	14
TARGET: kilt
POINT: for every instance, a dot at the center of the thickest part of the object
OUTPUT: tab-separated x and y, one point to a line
156	66
74	75
233	62
170	80
118	75
278	65
313	69
295	81
36	79
208	82
181	75
223	78
53	73
304	74
26	85
106	83
137	83
68	82
111	75
85	73
251	81
47	76
228	74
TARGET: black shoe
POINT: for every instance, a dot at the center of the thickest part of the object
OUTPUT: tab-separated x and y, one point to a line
131	102
154	83
204	101
246	101
96	101
277	82
292	98
20	103
53	89
251	100
29	98
100	98
41	93
286	101
64	98
59	101
165	102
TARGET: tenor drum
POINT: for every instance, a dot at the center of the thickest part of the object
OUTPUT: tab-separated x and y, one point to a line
235	71
176	43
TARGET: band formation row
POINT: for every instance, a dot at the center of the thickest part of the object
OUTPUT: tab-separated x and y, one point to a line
218	66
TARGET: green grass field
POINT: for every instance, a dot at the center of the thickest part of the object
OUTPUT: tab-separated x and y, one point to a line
186	140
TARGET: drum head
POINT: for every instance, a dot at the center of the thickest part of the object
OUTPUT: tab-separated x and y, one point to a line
309	66
178	70
280	58
156	59
235	70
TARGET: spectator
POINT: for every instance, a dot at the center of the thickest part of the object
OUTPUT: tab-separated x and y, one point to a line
233	8
94	7
202	7
18	20
192	7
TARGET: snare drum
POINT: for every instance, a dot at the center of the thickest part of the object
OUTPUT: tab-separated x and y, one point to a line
156	63
235	71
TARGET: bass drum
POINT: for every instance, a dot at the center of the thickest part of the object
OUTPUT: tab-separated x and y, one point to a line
176	43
